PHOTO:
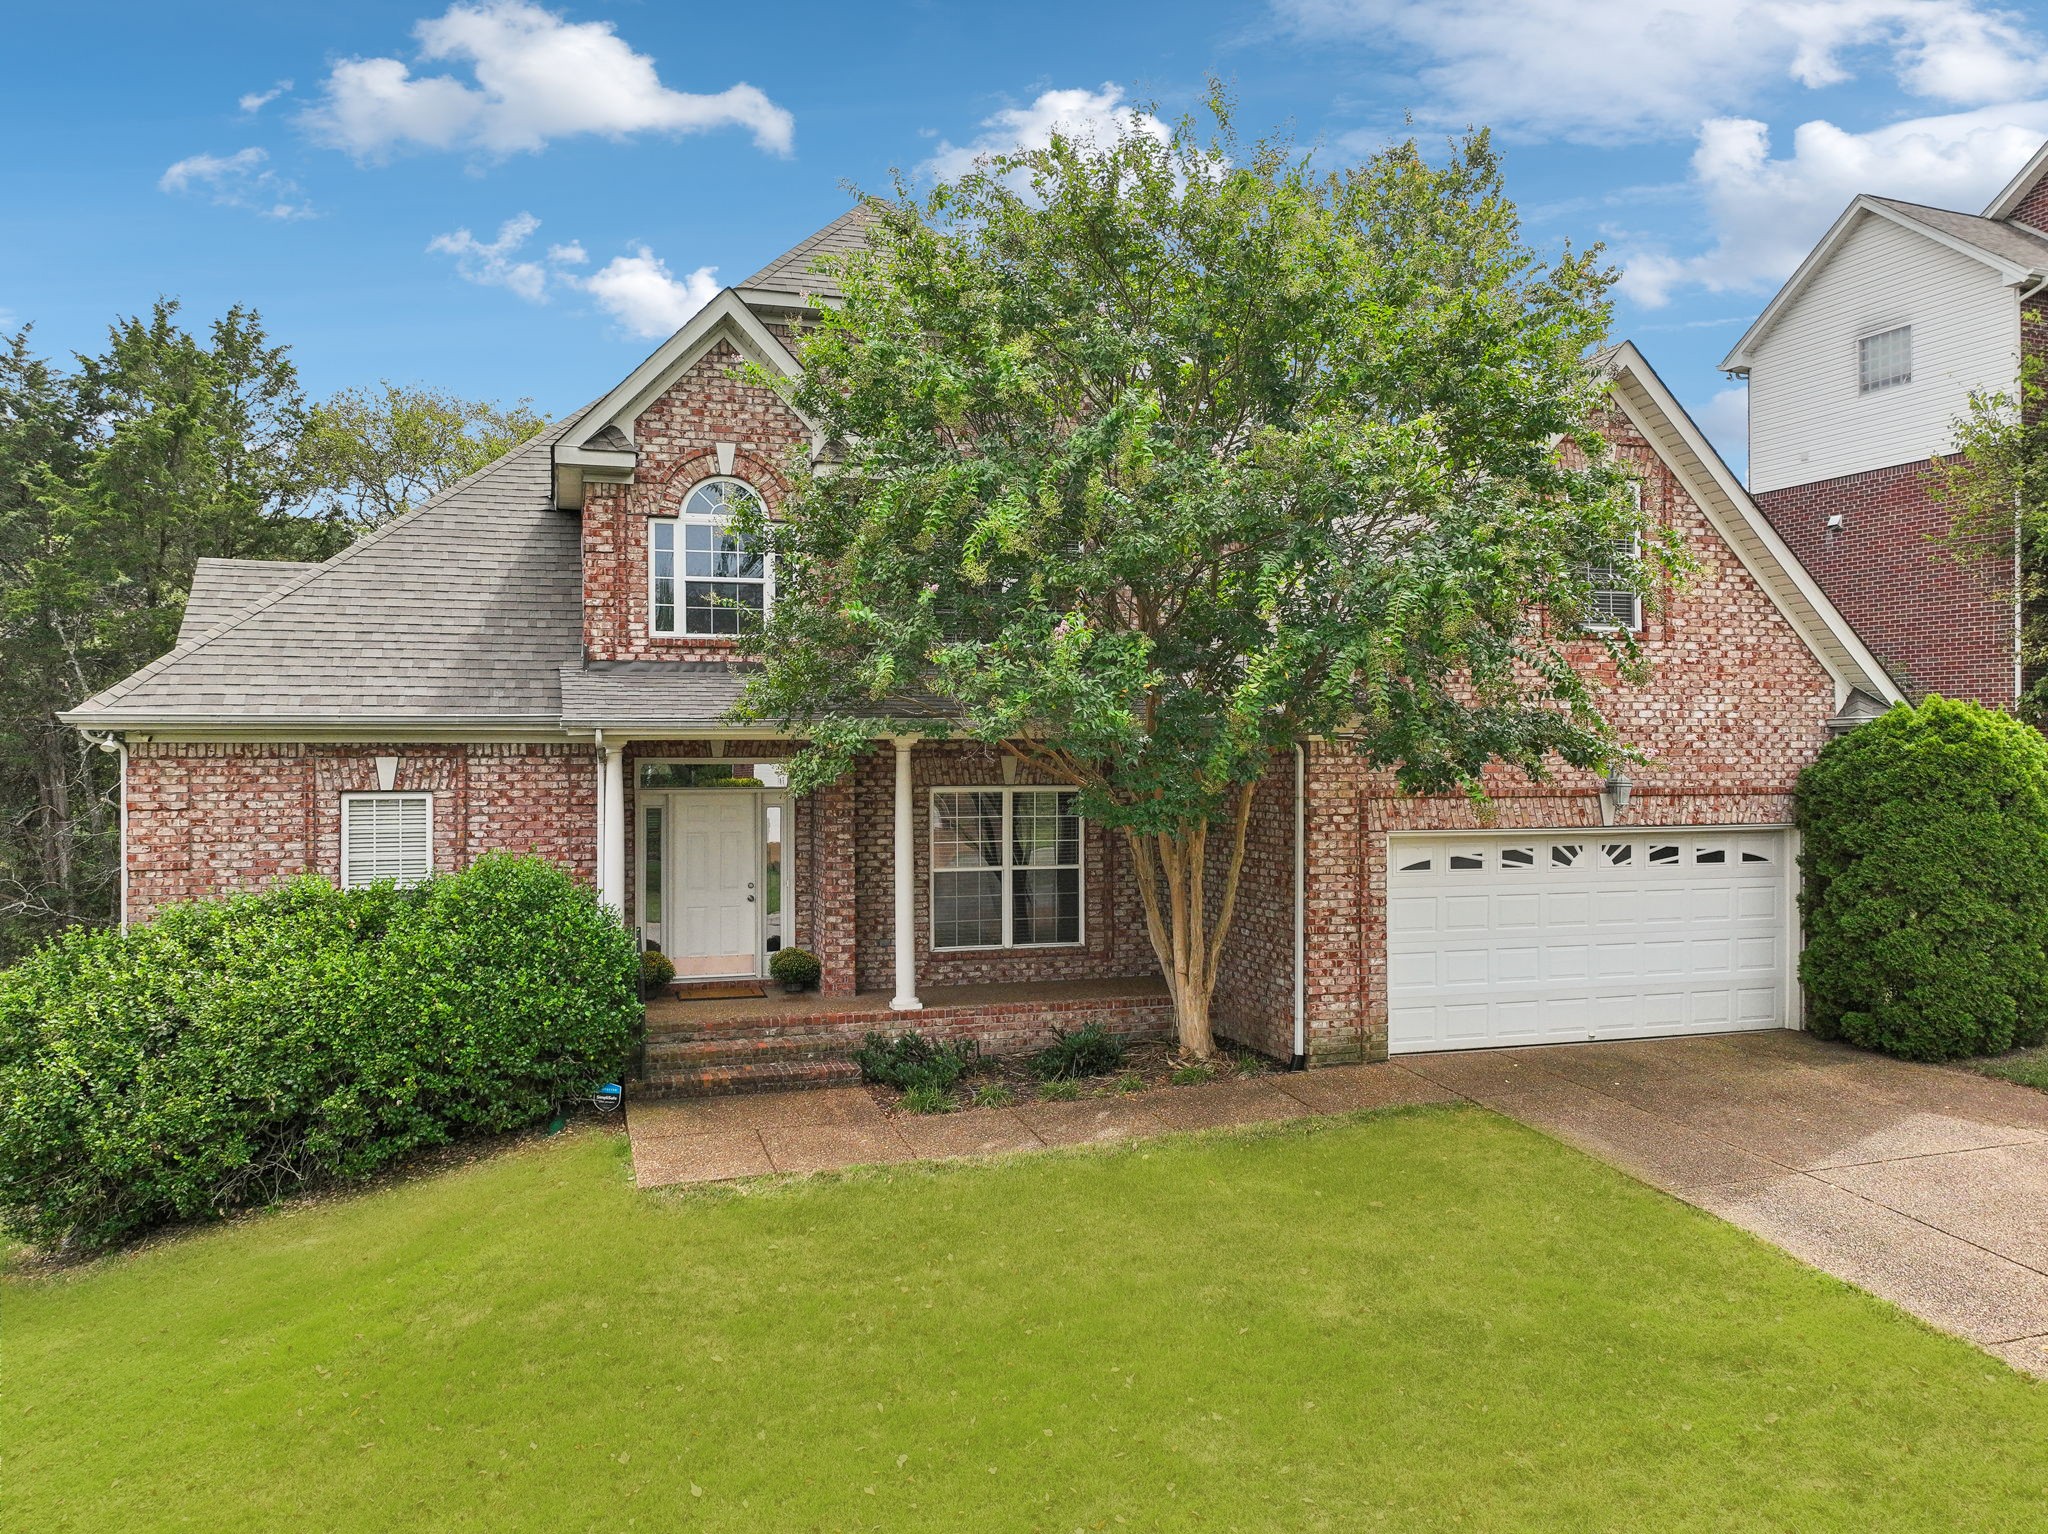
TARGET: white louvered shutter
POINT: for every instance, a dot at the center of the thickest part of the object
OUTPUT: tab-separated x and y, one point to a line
386	836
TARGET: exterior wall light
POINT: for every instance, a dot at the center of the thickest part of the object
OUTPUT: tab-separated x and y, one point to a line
1614	796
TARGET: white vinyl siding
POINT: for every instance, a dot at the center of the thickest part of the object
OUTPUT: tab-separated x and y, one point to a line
1809	417
386	836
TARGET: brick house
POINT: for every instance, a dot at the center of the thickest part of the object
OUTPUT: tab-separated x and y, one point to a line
1858	370
527	662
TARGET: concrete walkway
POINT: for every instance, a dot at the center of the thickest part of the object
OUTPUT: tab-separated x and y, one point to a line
1925	1185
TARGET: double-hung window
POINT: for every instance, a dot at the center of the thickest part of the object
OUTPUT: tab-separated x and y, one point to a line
703	578
386	837
1614	603
1006	868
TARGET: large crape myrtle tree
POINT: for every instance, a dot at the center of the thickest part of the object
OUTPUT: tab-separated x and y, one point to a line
1150	459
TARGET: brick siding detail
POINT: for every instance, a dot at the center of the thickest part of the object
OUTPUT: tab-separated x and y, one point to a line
677	435
2033	208
1938	624
206	819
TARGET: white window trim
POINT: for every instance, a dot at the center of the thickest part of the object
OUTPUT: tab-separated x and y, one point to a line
350	799
1009	791
678	555
1635	552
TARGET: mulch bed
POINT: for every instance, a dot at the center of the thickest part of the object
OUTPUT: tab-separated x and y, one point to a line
1147	1067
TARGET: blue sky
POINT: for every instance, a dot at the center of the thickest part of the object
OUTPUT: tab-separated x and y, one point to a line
513	199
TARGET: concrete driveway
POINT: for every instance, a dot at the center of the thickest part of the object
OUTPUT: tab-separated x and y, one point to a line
1924	1184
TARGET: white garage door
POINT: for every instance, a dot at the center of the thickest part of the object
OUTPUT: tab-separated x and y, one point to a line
1545	938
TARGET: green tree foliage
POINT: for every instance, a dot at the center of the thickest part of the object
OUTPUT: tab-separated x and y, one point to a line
1996	489
233	1051
1926	883
1155	457
118	475
369	455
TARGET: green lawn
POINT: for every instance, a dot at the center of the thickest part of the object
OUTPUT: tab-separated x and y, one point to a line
1421	1320
2028	1067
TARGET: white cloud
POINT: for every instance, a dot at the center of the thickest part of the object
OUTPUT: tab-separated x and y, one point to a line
494	263
256	101
1767	213
1612	70
1725	420
243	179
637	290
537	77
643	295
1098	115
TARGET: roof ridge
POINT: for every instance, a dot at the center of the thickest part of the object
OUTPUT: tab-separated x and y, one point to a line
242	615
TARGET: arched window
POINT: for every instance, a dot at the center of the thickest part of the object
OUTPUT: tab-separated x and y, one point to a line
722	586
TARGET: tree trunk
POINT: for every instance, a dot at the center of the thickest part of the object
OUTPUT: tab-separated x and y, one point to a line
1173	869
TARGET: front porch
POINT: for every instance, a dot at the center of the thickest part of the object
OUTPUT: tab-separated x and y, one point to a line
717	1046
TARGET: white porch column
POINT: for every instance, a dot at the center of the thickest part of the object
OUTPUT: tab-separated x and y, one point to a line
611	822
905	999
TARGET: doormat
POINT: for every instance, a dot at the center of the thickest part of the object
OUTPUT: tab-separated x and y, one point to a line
720	990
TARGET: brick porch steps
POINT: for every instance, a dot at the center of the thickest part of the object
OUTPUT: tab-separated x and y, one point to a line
753	1076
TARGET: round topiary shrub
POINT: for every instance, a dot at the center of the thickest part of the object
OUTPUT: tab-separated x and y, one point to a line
795	967
1925	858
234	1050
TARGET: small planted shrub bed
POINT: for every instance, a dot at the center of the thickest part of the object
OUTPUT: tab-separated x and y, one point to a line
236	1050
1005	1081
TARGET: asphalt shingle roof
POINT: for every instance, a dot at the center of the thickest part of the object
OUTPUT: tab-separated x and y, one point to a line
221	588
794	271
460	613
1997	237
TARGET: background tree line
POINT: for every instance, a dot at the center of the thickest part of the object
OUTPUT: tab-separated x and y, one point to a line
118	471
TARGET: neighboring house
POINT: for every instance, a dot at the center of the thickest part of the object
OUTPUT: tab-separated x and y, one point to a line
526	662
1858	372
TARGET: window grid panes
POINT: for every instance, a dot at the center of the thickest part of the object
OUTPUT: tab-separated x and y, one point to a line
1006	868
1614	603
1885	360
721	586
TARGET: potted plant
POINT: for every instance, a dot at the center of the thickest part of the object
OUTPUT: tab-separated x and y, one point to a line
655	973
796	969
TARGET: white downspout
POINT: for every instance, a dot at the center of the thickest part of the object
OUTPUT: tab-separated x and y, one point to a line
1300	1060
121	750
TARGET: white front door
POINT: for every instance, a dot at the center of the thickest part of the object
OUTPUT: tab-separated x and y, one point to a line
1542	937
712	925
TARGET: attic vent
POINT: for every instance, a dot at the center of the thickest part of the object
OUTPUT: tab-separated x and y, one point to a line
386	836
1885	360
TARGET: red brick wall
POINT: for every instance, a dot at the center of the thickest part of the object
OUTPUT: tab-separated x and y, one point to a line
1938	624
2033	208
677	436
1254	1001
207	819
1735	707
1114	945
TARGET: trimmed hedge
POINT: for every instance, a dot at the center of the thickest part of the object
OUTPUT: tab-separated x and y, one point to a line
1926	883
235	1049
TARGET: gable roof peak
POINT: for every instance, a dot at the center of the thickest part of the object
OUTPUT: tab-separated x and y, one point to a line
795	272
2007	202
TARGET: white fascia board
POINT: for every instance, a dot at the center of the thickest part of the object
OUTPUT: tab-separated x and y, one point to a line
597	458
1720	496
1744	352
227	730
2016	190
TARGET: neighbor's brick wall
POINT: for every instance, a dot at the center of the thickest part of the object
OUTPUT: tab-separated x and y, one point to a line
677	436
2033	208
206	819
1734	708
1936	623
